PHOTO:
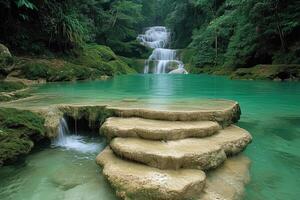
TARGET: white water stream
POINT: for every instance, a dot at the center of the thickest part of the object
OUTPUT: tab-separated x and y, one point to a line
162	60
70	141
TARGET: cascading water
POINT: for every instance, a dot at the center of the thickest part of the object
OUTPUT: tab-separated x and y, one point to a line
76	142
63	132
162	60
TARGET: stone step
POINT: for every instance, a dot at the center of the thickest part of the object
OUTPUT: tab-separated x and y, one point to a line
157	129
232	139
186	153
224	112
194	153
139	182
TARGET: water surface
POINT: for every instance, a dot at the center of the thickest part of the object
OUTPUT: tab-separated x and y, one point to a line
270	111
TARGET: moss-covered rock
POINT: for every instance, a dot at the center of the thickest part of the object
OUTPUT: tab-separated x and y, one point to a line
6	60
4	51
132	49
52	70
91	62
269	72
12	91
19	130
14	96
11	86
103	60
134	63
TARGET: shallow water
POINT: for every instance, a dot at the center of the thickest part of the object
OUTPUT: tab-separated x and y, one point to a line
67	172
270	111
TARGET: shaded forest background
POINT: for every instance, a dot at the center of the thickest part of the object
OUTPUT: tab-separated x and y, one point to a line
225	33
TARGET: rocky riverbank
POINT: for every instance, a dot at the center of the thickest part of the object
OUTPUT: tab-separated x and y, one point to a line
259	72
88	63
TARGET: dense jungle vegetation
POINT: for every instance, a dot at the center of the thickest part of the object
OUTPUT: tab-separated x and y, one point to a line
213	35
236	33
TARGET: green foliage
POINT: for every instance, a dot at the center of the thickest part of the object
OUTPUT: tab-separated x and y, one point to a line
9	91
92	62
37	26
11	86
54	70
25	3
234	33
18	132
14	96
136	64
120	67
269	72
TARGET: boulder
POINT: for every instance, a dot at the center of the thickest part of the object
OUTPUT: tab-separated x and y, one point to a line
4	51
228	181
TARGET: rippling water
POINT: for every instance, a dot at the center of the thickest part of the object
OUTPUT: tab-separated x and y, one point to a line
271	112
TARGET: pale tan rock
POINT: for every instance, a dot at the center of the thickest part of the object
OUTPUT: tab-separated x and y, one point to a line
195	153
157	129
10	77
189	153
52	118
226	113
139	182
228	181
232	139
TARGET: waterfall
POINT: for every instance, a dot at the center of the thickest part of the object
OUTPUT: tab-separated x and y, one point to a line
162	60
63	132
66	139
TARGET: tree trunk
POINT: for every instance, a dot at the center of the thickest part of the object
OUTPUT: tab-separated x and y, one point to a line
279	29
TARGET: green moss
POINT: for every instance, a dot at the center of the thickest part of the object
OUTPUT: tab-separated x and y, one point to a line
8	91
91	62
268	72
18	132
95	115
36	69
11	86
14	96
94	55
120	67
136	64
103	60
132	49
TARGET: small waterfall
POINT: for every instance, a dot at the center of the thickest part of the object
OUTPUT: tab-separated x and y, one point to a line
162	60
63	132
68	140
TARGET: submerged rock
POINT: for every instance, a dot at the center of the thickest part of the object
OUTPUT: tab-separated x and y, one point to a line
139	182
228	181
157	129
